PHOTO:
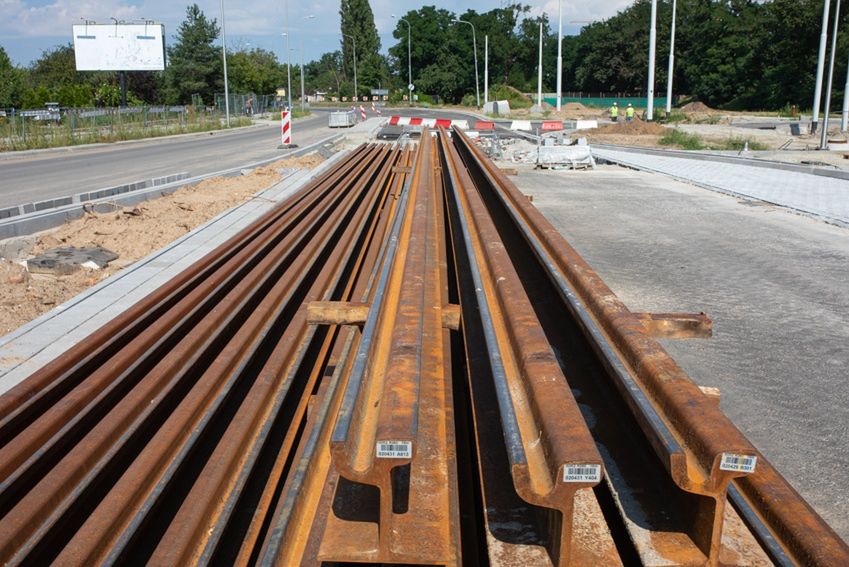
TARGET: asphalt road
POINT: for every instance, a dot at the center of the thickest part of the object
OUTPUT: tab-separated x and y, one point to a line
27	177
774	284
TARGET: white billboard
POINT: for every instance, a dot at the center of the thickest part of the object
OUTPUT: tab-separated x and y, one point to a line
119	47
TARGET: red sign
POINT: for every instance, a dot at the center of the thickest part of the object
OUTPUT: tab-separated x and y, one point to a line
550	125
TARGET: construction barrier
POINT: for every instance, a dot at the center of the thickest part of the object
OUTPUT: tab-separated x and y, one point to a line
586	124
521	125
428	122
484	125
551	125
285	128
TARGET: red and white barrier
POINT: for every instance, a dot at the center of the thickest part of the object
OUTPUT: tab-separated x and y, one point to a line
285	128
551	126
362	113
429	122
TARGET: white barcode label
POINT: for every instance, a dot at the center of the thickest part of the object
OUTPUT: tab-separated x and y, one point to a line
394	449
738	463
582	473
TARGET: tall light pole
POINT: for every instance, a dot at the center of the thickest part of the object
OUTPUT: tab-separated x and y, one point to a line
303	100
354	41
820	65
560	53
409	58
652	43
288	73
827	105
224	56
475	48
539	70
486	69
844	118
671	61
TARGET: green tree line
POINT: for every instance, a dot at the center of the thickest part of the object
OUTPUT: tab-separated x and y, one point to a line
729	53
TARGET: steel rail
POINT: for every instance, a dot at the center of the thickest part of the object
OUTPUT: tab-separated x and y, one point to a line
396	437
706	434
559	454
75	470
298	511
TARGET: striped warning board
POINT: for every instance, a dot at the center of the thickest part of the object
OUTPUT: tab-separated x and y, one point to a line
285	128
428	122
551	125
484	126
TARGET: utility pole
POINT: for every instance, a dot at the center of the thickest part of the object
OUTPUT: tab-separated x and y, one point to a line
844	119
652	43
820	66
671	62
539	71
827	106
486	69
303	98
475	48
224	56
288	73
560	52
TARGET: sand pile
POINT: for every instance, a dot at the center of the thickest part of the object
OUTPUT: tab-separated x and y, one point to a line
634	128
698	108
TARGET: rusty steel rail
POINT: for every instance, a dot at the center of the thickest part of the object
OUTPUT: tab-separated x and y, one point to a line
68	500
698	445
311	393
551	451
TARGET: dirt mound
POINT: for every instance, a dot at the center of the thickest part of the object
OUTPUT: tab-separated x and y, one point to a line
697	108
574	107
634	128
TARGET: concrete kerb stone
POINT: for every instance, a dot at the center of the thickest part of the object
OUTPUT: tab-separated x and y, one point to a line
26	349
704	156
39	217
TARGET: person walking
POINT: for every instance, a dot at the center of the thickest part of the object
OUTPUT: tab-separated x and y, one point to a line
614	112
629	113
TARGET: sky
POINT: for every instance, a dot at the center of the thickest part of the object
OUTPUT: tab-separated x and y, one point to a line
28	27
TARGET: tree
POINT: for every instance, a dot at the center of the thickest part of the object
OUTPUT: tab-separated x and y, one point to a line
194	62
256	71
357	21
11	82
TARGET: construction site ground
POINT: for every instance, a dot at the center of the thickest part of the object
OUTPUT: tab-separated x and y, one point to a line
131	232
772	281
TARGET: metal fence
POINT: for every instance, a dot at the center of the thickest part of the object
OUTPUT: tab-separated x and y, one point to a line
249	104
29	129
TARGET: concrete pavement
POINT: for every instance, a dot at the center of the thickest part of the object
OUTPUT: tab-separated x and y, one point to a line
774	284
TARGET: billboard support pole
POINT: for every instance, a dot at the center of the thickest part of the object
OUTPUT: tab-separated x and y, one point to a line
123	89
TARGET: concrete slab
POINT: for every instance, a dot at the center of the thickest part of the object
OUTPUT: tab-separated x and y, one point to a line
823	197
774	283
33	345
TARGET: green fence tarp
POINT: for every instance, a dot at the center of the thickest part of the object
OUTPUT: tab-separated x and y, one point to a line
606	102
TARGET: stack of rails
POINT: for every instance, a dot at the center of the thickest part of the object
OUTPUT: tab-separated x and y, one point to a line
404	363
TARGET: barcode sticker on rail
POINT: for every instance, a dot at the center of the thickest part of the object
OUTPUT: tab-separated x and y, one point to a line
582	473
394	449
738	463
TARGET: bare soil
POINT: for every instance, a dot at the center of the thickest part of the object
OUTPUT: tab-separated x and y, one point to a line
132	233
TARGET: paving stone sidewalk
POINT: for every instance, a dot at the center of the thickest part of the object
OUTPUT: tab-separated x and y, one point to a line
824	197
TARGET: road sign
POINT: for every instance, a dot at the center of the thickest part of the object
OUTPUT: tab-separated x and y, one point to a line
411	87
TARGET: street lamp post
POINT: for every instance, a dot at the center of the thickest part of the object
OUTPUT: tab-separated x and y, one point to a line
560	53
671	61
288	74
409	58
354	41
485	69
475	48
539	71
820	65
224	56
652	43
827	104
303	99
